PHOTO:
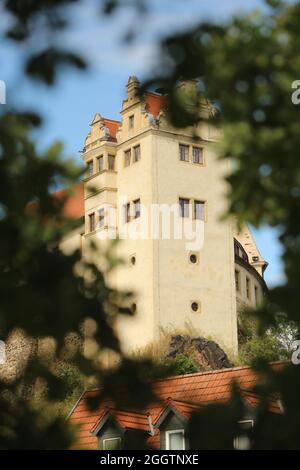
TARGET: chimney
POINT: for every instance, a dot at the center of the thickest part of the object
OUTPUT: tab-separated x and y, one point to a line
132	87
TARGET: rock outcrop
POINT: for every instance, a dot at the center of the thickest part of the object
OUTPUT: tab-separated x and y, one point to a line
206	354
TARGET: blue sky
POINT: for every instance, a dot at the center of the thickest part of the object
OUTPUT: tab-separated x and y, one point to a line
70	106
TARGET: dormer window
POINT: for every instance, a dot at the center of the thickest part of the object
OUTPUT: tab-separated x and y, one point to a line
113	443
131	122
175	440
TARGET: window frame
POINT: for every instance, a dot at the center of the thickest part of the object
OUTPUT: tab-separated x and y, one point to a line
248	288
195	201
92	226
188	152
111	158
201	149
127	152
135	160
90	167
127	214
181	213
112	439
256	295
131	122
174	431
237	280
136	214
101	221
100	159
235	439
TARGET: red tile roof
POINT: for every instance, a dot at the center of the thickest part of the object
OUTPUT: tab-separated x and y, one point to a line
74	205
185	392
125	419
154	103
112	126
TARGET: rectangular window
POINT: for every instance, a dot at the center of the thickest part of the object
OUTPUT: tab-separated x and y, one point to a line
111	162
101	218
237	280
131	122
248	291
137	208
184	153
175	440
90	167
184	207
114	443
198	155
137	153
242	441
199	210
92	224
100	163
127	157
256	295
127	213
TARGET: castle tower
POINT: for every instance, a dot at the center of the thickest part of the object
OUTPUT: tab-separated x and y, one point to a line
141	162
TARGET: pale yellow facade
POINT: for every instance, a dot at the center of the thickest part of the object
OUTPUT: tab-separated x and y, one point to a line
171	291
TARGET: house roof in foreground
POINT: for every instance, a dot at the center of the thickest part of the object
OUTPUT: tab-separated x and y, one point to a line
185	393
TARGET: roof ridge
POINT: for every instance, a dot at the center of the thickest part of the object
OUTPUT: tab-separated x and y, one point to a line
112	120
218	371
194	374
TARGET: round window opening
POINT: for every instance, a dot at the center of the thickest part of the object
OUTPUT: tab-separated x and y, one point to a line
193	258
133	260
195	306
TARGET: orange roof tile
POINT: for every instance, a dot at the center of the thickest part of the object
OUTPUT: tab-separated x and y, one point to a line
112	126
186	393
154	103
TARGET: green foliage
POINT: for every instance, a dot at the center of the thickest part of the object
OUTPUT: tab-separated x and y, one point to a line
184	365
269	345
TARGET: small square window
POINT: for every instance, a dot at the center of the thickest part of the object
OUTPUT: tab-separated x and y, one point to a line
127	157
184	153
111	162
184	205
199	210
131	122
92	224
198	155
137	153
137	208
100	163
115	443
90	167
